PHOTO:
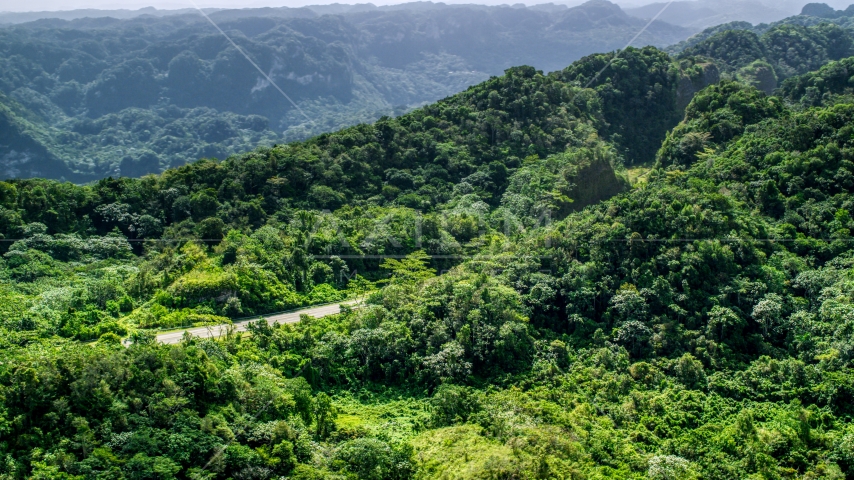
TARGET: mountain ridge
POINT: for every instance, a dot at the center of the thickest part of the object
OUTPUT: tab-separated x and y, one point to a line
341	69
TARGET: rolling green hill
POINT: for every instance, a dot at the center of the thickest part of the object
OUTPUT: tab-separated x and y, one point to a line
109	97
470	143
766	55
139	95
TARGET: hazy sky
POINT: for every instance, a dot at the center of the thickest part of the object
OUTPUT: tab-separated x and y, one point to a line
42	5
52	5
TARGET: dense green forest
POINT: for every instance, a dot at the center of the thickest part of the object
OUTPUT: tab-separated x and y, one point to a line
528	313
88	98
530	308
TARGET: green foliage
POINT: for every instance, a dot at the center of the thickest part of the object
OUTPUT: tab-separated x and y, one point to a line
638	91
821	87
715	116
552	188
735	48
412	268
784	50
698	325
373	459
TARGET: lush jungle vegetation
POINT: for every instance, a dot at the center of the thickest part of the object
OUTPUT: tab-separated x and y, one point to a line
526	312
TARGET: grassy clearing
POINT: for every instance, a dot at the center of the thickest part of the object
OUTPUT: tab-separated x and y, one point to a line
639	174
393	419
461	452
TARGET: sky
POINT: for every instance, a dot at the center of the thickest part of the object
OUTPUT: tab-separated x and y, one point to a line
53	5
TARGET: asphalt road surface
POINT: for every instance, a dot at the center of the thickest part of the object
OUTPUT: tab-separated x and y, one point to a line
220	330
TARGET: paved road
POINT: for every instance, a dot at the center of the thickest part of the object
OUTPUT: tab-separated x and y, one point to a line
220	330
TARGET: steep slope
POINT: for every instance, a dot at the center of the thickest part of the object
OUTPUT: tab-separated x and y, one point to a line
643	95
812	15
24	143
455	161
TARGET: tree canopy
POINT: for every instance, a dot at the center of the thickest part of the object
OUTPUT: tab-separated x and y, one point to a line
525	312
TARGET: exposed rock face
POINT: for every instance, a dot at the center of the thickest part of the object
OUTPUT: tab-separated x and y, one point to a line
596	181
690	85
761	75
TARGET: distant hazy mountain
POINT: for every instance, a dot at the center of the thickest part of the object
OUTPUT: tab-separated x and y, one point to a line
23	17
702	14
105	96
823	10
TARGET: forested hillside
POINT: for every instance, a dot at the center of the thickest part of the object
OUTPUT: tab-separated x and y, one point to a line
103	96
527	312
92	97
765	56
468	143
